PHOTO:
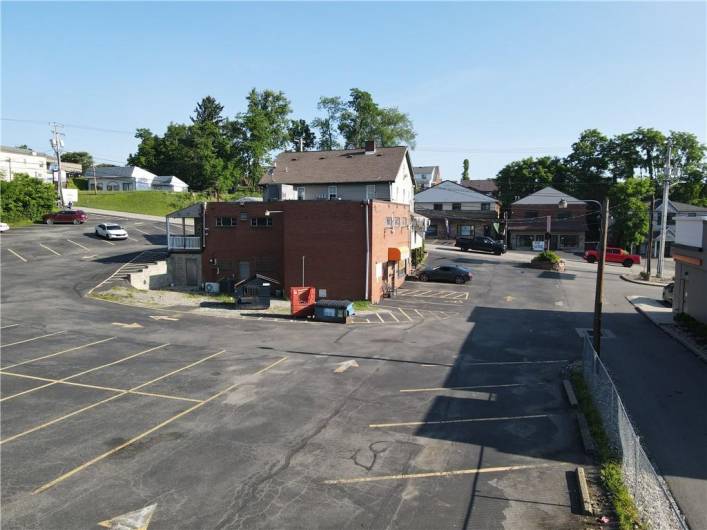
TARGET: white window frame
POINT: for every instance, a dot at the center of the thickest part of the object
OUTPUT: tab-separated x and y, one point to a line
330	195
300	193
370	192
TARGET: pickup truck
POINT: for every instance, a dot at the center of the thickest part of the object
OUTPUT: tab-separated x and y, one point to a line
614	255
485	244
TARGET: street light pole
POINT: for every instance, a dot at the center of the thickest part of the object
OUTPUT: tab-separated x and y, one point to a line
599	292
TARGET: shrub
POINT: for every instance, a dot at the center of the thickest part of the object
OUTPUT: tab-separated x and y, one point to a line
25	197
547	255
644	275
692	325
418	255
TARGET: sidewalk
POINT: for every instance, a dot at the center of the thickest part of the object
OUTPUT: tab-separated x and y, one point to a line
128	215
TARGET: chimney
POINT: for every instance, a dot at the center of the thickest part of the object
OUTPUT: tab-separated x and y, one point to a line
370	147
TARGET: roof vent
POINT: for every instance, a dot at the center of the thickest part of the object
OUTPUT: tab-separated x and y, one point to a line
293	159
349	156
322	157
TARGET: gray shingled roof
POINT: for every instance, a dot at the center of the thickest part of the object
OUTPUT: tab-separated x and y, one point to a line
20	151
449	191
484	186
547	195
346	165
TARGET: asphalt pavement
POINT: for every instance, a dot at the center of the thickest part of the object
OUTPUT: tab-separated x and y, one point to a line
218	423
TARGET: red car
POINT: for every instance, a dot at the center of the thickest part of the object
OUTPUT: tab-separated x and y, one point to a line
66	216
614	255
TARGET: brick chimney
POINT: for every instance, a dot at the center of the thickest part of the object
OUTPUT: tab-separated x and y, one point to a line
370	147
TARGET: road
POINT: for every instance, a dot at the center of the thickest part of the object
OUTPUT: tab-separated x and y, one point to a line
453	418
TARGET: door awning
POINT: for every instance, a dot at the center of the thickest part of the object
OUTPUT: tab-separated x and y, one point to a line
398	253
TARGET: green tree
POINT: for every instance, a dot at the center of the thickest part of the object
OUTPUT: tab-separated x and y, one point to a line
363	119
650	144
465	170
329	124
23	146
147	150
208	110
299	130
629	211
25	197
258	131
526	176
79	157
588	165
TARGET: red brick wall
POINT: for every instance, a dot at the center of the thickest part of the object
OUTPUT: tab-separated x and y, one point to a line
330	234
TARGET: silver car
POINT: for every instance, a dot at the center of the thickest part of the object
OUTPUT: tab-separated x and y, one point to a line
111	231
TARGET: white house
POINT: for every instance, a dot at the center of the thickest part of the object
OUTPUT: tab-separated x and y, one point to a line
132	178
14	160
674	209
427	176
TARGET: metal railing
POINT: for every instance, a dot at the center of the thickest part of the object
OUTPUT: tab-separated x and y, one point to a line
184	242
653	499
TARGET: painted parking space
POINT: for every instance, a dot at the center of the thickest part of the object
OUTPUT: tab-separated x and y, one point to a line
442	294
400	315
76	393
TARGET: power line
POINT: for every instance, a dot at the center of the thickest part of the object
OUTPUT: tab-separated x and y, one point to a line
73	126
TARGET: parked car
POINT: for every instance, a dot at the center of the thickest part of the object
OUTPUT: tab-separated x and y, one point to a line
668	293
66	216
614	255
4	227
483	243
111	231
448	273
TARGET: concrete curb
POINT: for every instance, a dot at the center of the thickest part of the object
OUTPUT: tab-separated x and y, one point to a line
128	215
642	282
584	496
590	447
676	336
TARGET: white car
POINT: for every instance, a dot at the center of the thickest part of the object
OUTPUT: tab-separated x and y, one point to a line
4	227
111	231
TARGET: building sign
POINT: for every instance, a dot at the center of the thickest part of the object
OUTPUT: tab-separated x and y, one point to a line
538	246
690	260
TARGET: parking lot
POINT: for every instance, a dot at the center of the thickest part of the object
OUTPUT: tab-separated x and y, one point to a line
453	417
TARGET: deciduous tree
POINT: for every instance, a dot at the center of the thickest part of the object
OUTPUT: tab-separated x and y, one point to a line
301	136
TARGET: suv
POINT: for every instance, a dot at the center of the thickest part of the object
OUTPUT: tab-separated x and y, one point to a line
66	216
614	255
485	244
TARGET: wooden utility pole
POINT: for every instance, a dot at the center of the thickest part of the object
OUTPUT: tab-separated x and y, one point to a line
599	294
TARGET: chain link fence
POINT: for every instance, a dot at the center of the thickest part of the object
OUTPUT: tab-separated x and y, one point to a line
652	496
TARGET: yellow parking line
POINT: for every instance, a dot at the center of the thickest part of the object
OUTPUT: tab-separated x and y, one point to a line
93	387
433	474
49	249
478	387
147	432
57	353
464	420
33	338
85	372
78	244
16	254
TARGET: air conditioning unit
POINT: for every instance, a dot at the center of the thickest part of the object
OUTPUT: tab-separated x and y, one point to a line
211	287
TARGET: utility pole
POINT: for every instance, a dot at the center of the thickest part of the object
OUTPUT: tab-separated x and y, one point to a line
95	184
301	144
664	216
649	247
599	294
57	143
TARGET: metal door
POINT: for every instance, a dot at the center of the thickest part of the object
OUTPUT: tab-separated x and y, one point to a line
191	272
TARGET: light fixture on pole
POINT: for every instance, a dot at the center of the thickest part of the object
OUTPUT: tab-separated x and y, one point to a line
268	213
599	292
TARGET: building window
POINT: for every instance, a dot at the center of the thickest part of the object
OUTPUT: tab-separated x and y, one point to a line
466	230
485	206
225	221
569	241
431	231
370	192
456	206
332	193
397	221
389	222
244	216
260	222
126	186
531	214
300	193
437	206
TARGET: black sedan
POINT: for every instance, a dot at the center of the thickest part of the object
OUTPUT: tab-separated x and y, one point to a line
446	273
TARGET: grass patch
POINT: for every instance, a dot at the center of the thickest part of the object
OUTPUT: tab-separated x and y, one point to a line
626	512
362	305
158	203
19	223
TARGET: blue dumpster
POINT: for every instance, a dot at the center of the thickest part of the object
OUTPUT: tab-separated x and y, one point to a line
333	310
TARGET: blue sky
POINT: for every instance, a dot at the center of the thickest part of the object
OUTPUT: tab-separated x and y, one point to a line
493	82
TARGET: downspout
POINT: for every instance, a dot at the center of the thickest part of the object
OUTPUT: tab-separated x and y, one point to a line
368	254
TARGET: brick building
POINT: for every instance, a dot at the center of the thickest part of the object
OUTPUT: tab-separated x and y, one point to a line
346	249
565	229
